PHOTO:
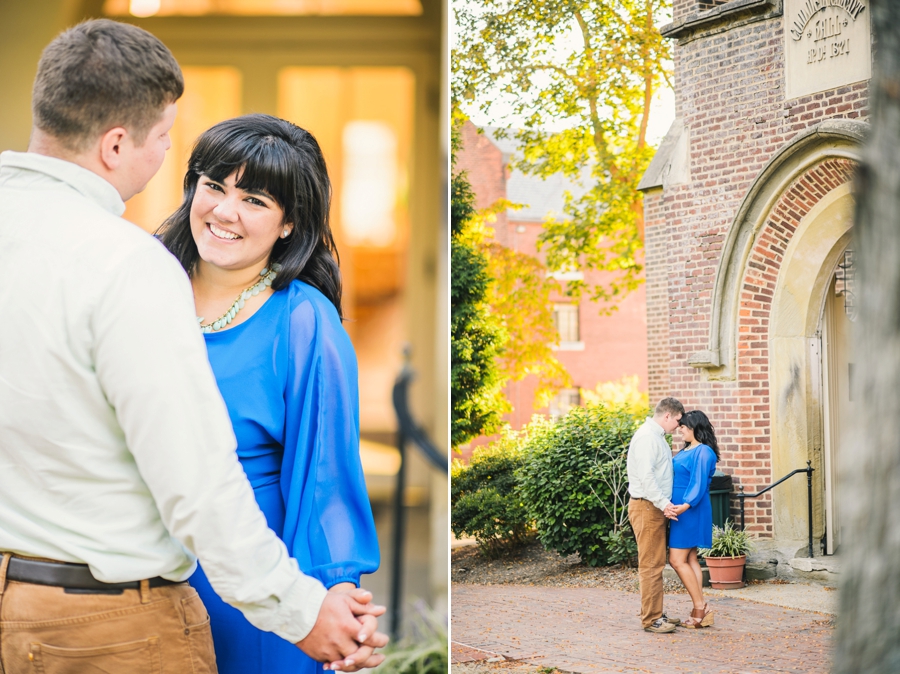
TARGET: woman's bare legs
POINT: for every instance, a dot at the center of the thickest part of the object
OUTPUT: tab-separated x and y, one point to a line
698	571
691	578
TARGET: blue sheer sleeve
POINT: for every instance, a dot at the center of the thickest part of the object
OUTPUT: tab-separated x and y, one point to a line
328	523
704	465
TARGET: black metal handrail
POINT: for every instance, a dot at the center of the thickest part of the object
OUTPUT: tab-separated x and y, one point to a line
407	431
408	427
809	471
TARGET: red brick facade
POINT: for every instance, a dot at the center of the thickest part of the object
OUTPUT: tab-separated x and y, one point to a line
730	87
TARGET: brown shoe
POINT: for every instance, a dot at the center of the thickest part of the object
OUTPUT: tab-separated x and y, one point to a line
700	617
660	626
671	621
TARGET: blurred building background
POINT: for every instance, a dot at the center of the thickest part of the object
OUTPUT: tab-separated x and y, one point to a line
366	77
595	348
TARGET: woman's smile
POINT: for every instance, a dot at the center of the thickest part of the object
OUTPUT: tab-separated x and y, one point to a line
221	233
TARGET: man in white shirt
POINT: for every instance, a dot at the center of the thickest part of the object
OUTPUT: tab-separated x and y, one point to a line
117	461
650	488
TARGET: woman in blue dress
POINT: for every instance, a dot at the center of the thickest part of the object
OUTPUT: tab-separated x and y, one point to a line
693	470
253	234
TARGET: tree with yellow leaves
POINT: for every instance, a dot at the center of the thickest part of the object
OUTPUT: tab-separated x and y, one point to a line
578	77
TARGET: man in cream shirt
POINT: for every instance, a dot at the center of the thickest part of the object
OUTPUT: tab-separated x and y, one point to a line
117	461
650	488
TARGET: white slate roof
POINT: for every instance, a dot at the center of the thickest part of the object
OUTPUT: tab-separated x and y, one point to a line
541	197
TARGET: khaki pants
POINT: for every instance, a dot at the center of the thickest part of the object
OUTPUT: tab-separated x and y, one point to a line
46	630
649	526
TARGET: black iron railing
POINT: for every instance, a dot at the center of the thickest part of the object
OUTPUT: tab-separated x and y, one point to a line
408	431
809	471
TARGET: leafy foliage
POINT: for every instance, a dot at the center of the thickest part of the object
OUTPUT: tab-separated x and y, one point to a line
579	76
625	393
476	337
484	496
520	296
574	482
424	651
621	547
517	298
728	542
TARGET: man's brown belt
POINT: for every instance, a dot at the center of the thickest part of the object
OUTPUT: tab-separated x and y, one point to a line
75	577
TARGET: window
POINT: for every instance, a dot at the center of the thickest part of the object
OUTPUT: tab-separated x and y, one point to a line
566	318
564	401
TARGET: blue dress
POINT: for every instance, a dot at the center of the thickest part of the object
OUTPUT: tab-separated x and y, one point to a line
693	471
289	378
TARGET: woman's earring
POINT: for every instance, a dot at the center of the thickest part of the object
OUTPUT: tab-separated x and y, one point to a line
284	233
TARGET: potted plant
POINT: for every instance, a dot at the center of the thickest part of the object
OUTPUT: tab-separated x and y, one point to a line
726	557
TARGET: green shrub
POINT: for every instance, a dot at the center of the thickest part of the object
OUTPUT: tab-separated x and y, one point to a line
574	482
484	497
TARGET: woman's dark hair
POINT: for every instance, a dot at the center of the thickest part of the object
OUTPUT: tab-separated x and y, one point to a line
284	161
704	433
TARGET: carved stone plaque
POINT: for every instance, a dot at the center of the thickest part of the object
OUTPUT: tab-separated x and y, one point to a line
828	43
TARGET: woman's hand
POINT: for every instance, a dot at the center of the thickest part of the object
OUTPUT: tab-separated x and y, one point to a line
680	509
370	638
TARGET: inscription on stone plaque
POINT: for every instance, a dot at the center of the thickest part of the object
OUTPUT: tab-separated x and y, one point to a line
827	44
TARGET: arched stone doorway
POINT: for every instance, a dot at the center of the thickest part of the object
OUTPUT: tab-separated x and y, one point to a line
768	313
802	386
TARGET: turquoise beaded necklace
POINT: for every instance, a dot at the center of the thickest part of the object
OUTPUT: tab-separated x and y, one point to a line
268	275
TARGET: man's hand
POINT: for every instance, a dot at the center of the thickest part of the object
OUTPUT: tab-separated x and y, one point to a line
338	633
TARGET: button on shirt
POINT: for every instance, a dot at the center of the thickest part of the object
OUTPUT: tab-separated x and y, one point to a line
650	465
116	449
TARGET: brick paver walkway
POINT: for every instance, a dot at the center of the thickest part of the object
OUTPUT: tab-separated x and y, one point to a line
592	630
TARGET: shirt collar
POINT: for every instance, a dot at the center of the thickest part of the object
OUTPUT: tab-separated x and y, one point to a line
86	182
655	427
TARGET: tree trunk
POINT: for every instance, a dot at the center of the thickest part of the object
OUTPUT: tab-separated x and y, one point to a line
868	635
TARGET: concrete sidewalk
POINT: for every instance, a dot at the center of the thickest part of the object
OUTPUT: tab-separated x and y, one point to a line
593	630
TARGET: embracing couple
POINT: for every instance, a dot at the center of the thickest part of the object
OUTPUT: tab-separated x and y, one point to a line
671	490
134	441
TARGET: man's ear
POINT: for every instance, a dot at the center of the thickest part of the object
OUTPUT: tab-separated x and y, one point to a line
111	147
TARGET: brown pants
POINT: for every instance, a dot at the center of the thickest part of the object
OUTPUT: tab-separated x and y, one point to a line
649	526
46	630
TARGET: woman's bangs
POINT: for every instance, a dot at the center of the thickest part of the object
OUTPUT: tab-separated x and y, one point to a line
268	168
263	165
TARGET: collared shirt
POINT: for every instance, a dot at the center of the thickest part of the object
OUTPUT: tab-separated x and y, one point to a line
650	465
116	449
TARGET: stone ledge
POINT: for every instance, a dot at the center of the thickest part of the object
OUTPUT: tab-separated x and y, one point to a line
730	15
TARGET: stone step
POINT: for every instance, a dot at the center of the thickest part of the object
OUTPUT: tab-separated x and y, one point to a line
830	564
752	571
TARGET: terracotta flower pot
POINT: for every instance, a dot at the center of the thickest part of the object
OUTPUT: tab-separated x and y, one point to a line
726	573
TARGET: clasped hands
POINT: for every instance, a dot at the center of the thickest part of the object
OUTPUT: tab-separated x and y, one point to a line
672	511
346	634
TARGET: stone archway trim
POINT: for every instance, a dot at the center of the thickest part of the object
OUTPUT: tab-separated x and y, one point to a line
836	138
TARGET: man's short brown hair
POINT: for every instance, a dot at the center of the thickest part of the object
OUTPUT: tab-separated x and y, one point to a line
99	75
670	405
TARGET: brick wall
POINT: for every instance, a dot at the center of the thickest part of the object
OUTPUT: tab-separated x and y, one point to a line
483	163
730	95
655	236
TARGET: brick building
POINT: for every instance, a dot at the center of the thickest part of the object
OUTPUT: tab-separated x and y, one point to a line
748	245
594	348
